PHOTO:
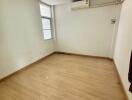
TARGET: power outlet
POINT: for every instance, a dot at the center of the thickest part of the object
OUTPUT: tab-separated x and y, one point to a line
113	20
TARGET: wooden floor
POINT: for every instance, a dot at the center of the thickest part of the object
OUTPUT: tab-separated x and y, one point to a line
64	77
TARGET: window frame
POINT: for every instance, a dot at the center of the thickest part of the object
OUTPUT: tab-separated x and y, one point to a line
49	18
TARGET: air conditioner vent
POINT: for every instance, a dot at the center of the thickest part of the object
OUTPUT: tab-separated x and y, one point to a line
76	0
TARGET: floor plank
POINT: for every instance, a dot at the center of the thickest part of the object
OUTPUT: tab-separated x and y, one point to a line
64	77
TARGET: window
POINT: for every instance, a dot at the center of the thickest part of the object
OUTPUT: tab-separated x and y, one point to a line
46	18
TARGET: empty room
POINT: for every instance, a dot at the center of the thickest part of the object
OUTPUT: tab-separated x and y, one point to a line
65	50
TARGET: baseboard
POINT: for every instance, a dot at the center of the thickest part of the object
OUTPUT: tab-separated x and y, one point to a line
127	98
83	55
24	68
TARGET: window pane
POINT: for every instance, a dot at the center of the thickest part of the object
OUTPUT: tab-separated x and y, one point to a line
47	34
46	23
45	10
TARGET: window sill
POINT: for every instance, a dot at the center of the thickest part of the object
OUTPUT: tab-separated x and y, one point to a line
48	39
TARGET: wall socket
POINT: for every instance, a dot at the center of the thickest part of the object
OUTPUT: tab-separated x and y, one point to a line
113	20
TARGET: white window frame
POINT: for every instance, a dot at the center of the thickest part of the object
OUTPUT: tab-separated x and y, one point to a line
50	18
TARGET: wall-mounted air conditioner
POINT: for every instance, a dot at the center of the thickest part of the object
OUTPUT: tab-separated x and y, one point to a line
100	3
79	4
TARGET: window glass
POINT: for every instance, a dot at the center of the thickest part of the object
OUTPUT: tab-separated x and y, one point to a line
47	34
46	23
45	10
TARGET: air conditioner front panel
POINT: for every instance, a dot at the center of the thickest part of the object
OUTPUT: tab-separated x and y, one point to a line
103	2
79	4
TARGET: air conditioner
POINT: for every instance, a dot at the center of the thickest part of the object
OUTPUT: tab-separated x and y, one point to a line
100	3
79	4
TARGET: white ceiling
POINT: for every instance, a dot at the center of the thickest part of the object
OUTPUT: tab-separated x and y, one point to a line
55	2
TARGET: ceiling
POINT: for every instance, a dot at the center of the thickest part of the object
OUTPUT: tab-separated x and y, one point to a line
54	2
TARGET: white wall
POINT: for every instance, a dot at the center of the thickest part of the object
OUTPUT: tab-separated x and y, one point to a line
124	44
86	31
21	39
